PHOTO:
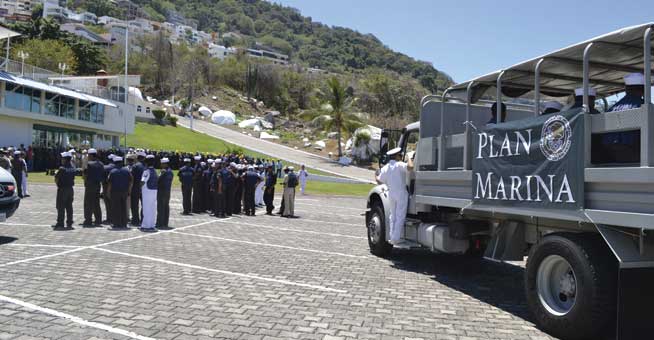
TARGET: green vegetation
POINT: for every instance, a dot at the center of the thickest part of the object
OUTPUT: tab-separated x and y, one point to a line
160	137
46	53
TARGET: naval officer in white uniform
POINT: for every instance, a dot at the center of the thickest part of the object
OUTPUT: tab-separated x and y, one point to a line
394	175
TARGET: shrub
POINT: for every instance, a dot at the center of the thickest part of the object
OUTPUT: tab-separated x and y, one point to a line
159	115
172	121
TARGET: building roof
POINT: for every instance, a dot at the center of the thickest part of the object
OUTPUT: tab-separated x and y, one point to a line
54	89
7	33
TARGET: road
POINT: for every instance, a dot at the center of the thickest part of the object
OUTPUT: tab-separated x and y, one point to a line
261	277
278	151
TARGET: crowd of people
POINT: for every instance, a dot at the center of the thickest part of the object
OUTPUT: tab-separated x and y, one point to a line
135	193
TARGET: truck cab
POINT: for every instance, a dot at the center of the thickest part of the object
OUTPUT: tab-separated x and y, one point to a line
527	184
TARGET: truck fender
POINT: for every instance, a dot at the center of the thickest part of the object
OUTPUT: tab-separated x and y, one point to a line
379	194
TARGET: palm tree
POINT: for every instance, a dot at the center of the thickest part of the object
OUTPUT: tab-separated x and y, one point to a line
333	115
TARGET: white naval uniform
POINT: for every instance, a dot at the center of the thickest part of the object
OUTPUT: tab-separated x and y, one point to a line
393	175
258	192
149	202
302	176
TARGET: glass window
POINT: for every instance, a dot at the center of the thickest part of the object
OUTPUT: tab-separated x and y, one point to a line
68	107
14	96
147	109
84	111
411	144
51	104
138	108
36	101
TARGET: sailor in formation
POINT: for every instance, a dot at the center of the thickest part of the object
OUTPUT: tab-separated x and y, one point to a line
185	175
119	188
163	194
393	175
135	196
94	174
149	184
65	180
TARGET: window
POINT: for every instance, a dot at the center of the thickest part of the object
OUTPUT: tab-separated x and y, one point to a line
138	108
84	111
147	109
411	144
57	105
22	98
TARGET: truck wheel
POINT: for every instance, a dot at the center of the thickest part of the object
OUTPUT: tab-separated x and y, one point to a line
376	226
570	285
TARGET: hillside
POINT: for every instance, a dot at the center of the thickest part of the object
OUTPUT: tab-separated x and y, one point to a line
306	41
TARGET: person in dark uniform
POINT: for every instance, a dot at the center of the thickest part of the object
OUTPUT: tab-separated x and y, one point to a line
17	168
217	190
207	199
269	191
238	190
120	187
228	180
185	176
65	180
250	181
105	189
93	178
135	195
197	185
163	195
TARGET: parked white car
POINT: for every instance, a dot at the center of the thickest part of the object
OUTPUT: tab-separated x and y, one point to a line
9	199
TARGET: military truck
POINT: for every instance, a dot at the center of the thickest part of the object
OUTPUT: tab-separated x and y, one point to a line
530	187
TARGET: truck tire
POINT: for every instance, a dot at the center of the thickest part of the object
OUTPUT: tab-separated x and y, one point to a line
376	226
570	284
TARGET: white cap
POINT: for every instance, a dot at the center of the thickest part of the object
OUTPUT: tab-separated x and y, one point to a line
232	164
149	157
92	152
71	150
16	152
250	167
165	160
580	92
291	168
634	79
203	163
552	105
140	153
393	151
197	158
111	156
66	154
210	161
187	160
118	159
131	156
218	161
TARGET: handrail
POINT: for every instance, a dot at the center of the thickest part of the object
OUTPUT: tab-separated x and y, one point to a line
537	87
647	135
587	122
498	98
441	137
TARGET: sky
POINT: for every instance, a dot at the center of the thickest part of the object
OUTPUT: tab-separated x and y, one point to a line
469	38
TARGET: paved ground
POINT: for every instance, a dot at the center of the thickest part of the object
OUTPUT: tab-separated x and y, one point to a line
243	278
280	151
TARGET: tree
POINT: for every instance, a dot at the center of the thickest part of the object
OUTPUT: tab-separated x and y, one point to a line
333	115
102	8
47	54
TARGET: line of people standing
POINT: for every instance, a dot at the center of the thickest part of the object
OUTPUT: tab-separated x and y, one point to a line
137	189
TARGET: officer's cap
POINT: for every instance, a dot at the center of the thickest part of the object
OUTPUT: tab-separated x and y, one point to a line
232	164
17	153
131	156
203	163
118	159
66	154
290	168
210	161
218	161
187	160
197	158
164	160
92	152
149	157
250	167
140	153
71	151
580	92
393	151
634	79
111	156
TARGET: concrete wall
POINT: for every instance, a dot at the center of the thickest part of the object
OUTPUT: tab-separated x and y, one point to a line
14	132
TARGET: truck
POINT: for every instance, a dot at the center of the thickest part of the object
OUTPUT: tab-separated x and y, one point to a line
547	188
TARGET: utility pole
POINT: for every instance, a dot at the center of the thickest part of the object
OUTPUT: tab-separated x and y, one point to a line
23	55
126	83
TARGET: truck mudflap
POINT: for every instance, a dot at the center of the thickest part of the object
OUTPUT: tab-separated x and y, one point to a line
634	251
635	301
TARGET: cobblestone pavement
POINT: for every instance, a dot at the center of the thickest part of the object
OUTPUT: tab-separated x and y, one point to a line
243	278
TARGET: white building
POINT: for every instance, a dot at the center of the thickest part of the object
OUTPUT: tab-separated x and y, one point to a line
17	10
81	31
34	113
219	51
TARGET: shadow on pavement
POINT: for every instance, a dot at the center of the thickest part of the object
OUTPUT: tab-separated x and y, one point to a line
7	239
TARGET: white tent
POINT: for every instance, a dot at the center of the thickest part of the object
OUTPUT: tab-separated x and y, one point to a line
266	135
249	123
205	111
223	117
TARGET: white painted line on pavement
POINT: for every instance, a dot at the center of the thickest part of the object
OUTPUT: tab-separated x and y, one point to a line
249	276
41	245
25	224
331	206
239	223
273	245
74	319
330	222
102	244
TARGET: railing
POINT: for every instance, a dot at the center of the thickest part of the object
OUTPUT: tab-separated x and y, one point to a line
27	71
